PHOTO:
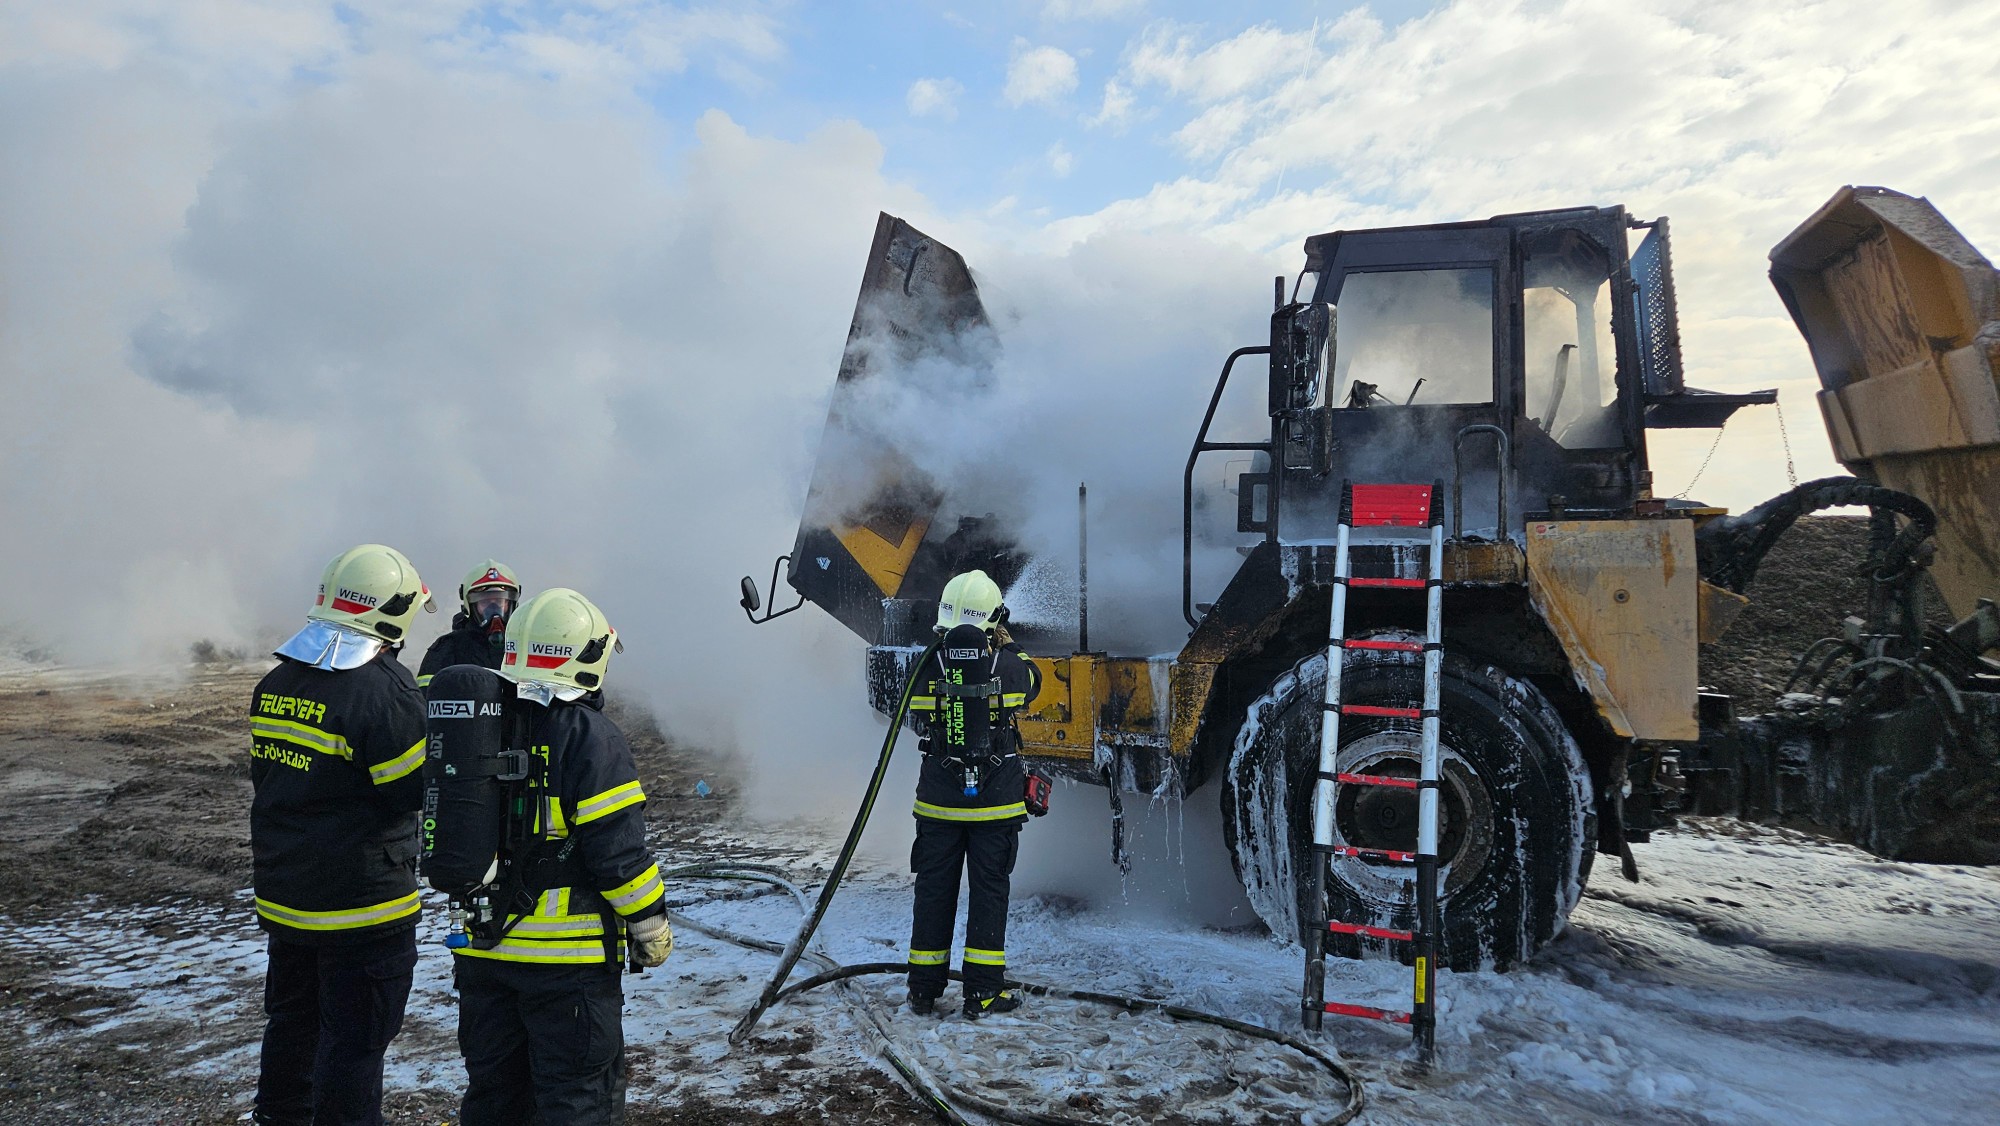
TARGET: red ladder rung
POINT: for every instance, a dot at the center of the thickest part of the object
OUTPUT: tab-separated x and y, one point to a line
1391	713
1377	780
1377	853
1386	646
1366	1012
1366	931
1391	506
1399	584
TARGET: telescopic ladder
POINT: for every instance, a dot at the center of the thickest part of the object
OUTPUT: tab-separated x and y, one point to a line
1416	508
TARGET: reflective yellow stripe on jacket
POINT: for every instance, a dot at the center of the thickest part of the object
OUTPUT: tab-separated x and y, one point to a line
516	948
609	802
402	766
350	918
301	735
641	892
981	813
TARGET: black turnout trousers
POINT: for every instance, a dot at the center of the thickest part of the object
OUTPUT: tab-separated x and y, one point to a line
985	851
543	1044
331	1012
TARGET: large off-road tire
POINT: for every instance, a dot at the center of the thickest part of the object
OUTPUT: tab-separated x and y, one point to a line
1517	826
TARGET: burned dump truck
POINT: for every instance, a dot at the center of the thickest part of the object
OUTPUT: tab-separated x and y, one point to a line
1509	370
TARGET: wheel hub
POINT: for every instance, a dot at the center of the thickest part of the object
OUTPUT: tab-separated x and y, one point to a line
1382	817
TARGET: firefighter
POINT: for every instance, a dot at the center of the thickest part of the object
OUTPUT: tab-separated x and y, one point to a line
486	599
972	795
539	1017
337	740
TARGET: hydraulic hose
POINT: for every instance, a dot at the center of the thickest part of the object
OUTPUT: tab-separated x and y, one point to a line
792	953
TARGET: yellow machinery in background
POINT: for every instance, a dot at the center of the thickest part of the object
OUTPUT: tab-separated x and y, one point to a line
1522	360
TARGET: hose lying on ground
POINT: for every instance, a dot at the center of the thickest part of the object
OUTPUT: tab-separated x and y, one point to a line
932	1095
791	953
933	1099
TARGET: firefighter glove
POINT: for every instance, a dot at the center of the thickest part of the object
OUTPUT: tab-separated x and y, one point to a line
652	939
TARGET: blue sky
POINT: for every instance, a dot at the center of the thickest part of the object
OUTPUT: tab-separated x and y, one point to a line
859	60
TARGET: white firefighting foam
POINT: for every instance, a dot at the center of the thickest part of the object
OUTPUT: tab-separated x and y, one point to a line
1753	975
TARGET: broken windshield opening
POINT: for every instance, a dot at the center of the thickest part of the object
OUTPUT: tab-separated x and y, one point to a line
1422	337
1572	387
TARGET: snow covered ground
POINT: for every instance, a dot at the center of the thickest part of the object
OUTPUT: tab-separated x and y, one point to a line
1753	975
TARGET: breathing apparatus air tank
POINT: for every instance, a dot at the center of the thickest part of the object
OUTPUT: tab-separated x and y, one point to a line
474	793
967	688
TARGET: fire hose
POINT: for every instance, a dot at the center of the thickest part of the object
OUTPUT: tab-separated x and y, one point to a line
933	1097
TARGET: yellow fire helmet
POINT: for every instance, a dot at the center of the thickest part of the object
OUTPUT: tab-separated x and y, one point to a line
558	646
487	575
367	598
970	599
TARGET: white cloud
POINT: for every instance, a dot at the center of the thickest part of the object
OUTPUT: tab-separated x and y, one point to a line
1261	57
1115	111
1061	160
1737	121
934	97
1090	9
1039	75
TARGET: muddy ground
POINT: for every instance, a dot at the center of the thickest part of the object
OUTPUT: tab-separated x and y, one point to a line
130	800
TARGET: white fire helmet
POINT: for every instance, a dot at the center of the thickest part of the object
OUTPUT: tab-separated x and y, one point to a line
970	599
558	646
368	596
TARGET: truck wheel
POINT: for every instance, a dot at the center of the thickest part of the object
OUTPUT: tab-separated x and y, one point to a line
1517	826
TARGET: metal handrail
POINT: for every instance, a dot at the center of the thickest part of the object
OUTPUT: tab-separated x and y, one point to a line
1458	479
1201	446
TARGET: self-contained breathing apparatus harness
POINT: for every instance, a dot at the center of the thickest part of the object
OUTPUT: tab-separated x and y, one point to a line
970	738
496	857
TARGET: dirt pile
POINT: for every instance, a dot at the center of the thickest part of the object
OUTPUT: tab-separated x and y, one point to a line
1811	580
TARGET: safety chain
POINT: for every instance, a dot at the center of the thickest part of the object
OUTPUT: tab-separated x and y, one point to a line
1682	495
1791	470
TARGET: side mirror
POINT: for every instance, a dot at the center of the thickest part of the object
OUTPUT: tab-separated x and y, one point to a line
751	601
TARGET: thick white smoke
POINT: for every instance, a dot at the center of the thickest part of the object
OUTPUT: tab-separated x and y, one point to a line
473	315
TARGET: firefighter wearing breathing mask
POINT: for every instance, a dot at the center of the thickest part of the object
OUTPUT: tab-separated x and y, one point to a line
539	1019
336	746
972	795
486	598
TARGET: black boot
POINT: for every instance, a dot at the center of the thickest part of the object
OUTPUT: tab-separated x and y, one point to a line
922	1005
984	1004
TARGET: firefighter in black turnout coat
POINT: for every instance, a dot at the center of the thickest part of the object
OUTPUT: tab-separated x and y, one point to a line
540	994
486	599
972	795
336	747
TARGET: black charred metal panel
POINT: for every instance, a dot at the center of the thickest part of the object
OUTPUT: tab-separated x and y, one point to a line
919	326
1900	783
1657	313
